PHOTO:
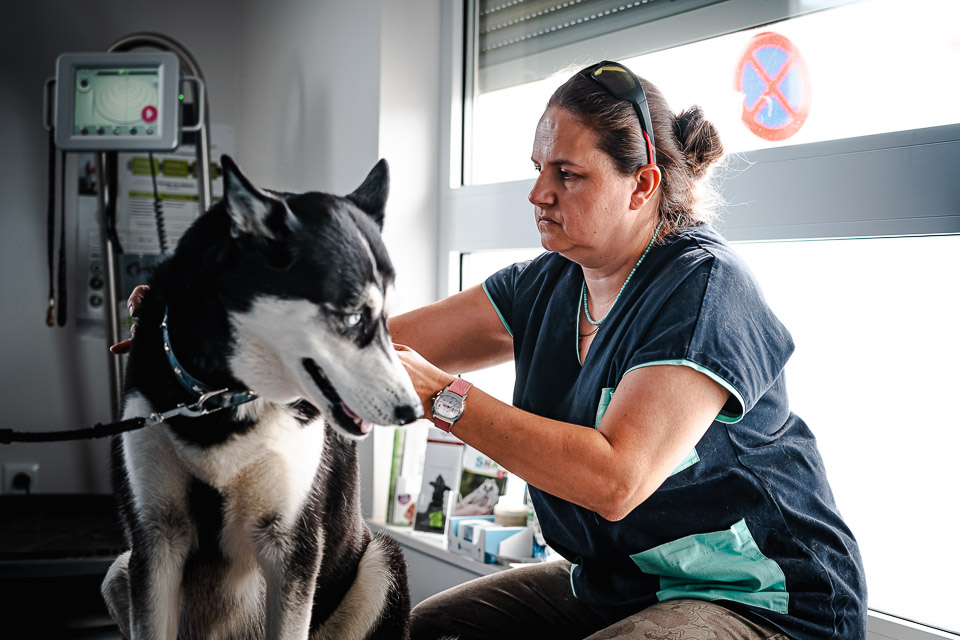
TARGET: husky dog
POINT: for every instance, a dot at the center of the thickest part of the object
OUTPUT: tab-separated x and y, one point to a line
245	523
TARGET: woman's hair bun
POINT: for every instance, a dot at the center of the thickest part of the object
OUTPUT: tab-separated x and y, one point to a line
698	140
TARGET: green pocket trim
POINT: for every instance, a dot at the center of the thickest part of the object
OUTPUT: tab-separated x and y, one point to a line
692	458
495	308
723	416
724	565
606	394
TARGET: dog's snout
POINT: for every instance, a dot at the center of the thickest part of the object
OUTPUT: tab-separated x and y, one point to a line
405	414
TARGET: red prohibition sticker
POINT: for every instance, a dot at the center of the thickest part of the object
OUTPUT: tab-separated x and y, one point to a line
775	82
149	113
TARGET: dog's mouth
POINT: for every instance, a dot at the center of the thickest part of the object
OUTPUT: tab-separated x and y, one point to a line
346	419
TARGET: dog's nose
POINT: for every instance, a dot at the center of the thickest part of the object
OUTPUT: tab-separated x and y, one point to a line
406	414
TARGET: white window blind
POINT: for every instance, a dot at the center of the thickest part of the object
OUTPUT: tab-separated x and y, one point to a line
510	30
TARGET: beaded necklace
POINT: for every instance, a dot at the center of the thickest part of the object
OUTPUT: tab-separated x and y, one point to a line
597	323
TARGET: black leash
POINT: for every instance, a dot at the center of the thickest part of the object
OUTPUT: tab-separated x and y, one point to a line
8	436
57	304
62	268
51	220
207	403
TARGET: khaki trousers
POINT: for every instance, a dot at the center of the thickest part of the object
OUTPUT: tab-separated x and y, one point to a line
537	602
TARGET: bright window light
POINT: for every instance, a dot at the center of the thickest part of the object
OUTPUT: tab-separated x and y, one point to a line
874	375
874	67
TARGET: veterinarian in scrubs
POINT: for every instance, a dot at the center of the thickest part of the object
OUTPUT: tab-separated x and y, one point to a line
650	413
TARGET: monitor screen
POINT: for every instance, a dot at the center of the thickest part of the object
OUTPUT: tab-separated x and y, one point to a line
116	101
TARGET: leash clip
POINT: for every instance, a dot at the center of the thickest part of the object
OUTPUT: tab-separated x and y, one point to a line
220	399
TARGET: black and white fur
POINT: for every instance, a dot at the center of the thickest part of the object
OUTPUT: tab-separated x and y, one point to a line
246	523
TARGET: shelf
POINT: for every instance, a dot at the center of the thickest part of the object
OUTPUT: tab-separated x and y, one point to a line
435	546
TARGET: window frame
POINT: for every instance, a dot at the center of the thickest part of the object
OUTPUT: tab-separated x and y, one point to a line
920	194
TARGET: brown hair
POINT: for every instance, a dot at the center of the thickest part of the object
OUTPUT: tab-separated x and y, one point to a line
687	145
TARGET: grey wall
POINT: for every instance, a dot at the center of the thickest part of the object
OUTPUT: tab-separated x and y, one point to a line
299	81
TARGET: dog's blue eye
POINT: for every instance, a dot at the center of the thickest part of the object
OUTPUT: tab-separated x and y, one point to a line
353	319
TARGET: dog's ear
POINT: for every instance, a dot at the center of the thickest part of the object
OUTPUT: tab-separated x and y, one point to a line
252	212
371	196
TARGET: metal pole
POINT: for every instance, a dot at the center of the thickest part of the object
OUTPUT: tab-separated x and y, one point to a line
105	204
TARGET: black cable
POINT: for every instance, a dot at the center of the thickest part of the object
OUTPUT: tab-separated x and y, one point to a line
158	209
97	431
51	218
62	268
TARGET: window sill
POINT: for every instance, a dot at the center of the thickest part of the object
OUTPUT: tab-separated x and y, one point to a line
435	546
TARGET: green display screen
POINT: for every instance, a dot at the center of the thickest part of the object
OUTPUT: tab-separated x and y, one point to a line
118	101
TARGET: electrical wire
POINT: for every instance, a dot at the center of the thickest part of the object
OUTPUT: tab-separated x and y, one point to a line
158	209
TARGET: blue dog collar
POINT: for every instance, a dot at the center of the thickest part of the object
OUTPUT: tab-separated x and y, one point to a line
223	398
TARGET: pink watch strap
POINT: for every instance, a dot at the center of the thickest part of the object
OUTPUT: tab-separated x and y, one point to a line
460	386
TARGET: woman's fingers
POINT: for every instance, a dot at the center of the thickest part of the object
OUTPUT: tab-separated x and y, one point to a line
133	306
121	347
136	297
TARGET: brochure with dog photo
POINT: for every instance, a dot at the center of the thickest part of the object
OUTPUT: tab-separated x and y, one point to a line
441	479
482	482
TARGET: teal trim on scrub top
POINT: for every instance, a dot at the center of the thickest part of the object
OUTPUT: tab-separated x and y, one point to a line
722	416
495	308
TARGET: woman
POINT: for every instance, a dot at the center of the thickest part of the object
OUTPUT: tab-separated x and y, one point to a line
694	501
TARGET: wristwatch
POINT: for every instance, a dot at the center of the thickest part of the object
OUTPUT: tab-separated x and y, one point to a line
449	404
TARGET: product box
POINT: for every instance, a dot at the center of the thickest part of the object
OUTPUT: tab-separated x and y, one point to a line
441	480
485	541
406	472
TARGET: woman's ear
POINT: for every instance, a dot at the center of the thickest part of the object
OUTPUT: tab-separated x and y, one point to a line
647	180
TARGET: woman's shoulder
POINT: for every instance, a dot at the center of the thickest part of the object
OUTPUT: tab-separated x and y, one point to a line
547	265
703	245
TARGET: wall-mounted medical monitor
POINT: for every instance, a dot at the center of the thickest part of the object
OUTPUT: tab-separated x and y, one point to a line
117	101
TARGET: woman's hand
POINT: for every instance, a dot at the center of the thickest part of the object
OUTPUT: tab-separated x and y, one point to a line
133	306
427	379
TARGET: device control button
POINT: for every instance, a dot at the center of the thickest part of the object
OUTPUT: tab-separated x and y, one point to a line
95	267
96	282
100	131
84	131
133	131
117	131
96	300
149	131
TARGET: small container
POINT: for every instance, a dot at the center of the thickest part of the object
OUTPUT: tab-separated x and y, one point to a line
511	515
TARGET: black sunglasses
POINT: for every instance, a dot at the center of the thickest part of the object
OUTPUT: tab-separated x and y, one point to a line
623	85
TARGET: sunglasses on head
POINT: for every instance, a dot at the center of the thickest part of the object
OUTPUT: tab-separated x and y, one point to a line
623	85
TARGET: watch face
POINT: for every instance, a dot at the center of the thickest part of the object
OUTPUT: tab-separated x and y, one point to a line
448	406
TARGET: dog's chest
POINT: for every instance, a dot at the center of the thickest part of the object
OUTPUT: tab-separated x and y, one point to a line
266	472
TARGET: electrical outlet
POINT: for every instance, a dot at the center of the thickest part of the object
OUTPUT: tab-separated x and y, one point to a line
13	469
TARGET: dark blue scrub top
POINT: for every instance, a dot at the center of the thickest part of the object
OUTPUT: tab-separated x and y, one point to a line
748	519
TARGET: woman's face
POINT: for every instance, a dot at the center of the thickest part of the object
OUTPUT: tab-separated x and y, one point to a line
582	204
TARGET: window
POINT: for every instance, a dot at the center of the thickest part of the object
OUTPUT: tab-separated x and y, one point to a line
859	83
874	321
849	224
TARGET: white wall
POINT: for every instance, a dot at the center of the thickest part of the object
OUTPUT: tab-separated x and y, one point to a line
301	84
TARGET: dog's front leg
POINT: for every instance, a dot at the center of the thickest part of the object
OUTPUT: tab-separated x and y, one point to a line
290	563
156	572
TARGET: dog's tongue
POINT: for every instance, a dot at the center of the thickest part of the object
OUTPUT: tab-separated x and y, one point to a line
363	425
